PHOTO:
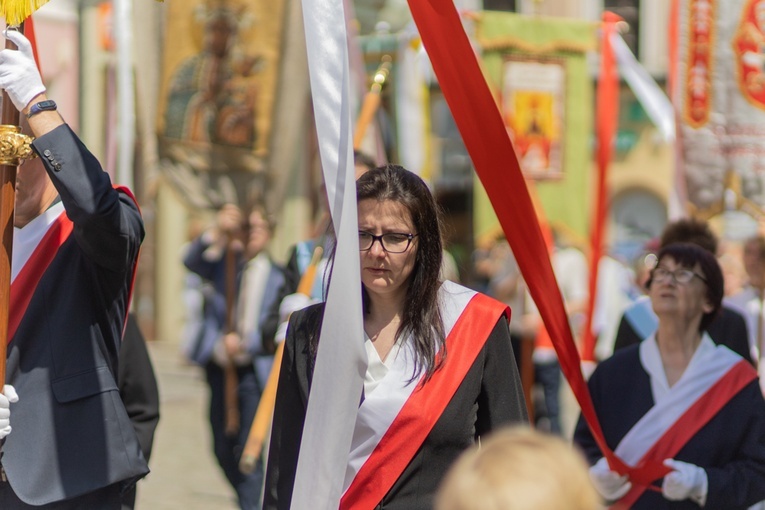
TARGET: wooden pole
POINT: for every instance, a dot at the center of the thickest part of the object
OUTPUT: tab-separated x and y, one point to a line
371	102
10	117
262	422
231	380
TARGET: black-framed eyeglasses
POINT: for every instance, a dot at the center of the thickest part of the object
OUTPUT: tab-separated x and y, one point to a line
392	242
681	276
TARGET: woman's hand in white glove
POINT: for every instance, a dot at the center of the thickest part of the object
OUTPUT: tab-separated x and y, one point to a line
610	484
7	397
686	481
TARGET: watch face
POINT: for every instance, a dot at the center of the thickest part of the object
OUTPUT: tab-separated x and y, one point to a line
46	105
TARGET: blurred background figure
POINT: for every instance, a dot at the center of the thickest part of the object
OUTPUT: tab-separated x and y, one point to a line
139	392
234	349
559	410
749	300
518	469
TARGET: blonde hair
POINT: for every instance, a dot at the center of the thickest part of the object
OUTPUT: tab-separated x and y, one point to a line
519	469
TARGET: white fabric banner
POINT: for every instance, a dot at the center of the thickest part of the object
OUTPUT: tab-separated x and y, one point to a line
412	109
341	360
652	98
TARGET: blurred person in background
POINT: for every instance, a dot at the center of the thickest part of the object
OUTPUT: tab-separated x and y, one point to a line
749	300
232	258
518	469
139	392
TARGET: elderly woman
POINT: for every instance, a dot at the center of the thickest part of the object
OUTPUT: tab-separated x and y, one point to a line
441	371
677	398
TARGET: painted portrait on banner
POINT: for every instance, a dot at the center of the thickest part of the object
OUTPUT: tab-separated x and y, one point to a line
721	87
220	71
533	106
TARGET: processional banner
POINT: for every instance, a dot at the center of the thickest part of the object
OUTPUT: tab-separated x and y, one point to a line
220	68
720	103
537	70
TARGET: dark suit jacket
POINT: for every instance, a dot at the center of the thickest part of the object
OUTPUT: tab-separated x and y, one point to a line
213	272
489	397
71	434
730	447
728	329
138	385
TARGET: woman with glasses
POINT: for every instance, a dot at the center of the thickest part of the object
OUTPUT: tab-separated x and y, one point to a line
441	371
679	401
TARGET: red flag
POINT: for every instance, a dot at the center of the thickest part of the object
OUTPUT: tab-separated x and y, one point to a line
607	120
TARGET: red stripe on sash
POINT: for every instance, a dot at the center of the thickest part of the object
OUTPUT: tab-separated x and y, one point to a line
423	408
25	283
678	435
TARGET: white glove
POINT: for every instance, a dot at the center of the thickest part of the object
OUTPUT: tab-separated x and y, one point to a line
610	484
293	303
281	332
7	397
19	75
687	481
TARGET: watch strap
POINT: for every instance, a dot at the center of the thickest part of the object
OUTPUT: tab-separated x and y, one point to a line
42	106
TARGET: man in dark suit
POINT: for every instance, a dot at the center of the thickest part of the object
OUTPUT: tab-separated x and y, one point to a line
76	242
139	392
235	338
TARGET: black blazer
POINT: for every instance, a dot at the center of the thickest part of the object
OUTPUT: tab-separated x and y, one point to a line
489	397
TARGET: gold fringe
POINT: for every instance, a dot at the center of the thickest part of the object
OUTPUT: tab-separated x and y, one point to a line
16	11
500	43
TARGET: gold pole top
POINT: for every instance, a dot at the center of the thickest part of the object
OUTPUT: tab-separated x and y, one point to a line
14	145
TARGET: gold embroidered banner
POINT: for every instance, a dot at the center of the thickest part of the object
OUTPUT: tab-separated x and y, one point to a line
720	97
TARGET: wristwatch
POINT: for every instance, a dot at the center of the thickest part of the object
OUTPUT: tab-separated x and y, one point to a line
42	106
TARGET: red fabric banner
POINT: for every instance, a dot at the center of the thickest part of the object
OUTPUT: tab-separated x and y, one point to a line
607	120
485	136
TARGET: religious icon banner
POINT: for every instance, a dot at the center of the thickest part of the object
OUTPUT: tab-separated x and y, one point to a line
220	68
537	68
533	107
720	103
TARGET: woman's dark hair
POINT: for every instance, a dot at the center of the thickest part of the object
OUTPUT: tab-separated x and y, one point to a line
688	255
422	315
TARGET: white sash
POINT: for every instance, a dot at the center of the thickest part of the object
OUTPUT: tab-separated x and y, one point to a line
381	407
708	365
26	239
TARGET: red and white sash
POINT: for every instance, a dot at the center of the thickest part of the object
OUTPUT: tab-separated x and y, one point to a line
714	376
46	234
395	419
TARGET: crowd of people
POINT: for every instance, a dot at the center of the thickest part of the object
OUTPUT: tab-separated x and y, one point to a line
444	417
